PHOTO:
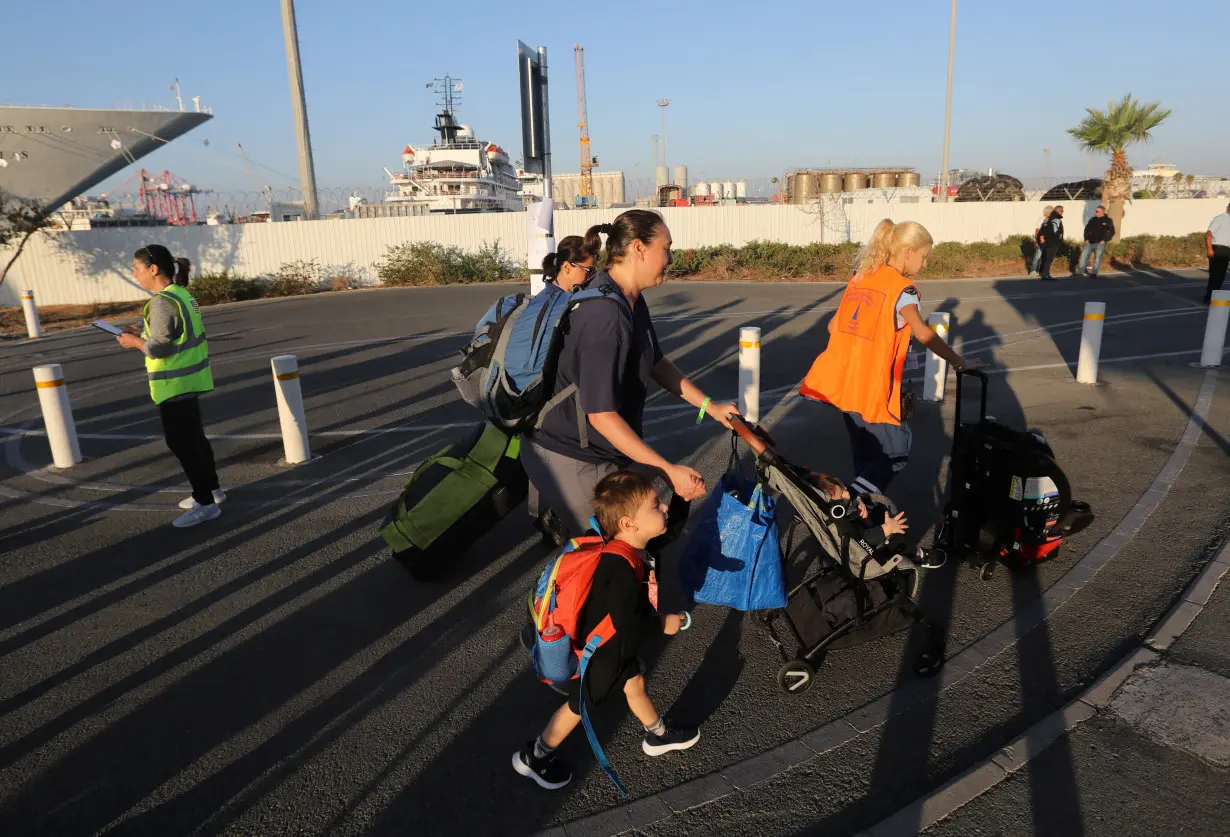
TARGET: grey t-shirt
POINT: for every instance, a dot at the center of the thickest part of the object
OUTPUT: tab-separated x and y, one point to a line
610	356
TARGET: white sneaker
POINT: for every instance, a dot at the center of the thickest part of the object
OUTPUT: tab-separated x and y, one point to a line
197	515
189	503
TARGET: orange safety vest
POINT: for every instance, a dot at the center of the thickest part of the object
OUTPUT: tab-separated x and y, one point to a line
860	371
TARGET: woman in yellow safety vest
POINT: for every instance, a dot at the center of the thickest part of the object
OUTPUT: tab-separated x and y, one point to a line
869	335
177	364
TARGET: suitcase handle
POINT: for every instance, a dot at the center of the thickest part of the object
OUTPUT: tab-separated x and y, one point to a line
982	407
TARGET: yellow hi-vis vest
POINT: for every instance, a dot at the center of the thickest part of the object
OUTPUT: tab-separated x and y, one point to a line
187	369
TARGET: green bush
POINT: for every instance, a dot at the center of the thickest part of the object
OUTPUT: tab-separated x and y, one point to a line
429	263
212	288
295	279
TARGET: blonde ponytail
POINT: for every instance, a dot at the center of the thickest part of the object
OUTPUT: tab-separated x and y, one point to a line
889	240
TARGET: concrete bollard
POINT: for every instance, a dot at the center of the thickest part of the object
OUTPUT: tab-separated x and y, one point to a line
1091	343
936	372
33	327
290	409
57	415
749	373
1215	330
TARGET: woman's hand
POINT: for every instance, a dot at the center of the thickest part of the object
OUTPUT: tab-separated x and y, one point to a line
686	482
133	330
129	341
719	411
968	364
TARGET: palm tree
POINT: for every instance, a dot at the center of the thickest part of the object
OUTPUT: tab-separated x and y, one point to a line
1112	131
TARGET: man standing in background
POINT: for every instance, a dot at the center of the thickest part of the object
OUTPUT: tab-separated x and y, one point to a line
1098	233
1051	234
1217	241
1046	213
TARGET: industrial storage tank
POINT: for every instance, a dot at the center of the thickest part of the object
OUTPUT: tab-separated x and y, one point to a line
660	177
681	177
909	178
853	182
741	190
884	180
800	188
699	190
728	190
829	183
715	189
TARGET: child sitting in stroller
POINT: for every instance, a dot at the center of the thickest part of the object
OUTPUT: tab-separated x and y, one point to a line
872	520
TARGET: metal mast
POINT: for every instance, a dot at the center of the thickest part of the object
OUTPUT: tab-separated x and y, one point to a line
587	164
307	170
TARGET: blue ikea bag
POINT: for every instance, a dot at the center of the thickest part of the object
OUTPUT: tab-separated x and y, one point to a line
733	557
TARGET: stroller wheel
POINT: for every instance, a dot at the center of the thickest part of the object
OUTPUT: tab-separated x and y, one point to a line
986	571
929	662
795	676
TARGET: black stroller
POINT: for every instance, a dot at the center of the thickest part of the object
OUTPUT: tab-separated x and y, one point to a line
856	594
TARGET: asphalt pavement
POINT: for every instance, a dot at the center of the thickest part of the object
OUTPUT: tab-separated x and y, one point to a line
275	672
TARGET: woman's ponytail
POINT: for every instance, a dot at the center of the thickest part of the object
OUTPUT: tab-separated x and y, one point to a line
550	266
183	269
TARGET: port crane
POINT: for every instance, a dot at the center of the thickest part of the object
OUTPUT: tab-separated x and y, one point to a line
585	200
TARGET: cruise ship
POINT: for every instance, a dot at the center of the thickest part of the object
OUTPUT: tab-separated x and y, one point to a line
457	174
53	154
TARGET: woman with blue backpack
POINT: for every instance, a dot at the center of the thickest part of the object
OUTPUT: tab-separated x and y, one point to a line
592	425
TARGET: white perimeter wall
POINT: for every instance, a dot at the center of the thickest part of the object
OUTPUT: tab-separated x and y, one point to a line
94	265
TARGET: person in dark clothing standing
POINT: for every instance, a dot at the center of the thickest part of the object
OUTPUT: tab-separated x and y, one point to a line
1051	235
1217	242
1098	233
177	364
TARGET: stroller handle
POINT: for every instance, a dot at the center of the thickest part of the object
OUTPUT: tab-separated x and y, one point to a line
755	438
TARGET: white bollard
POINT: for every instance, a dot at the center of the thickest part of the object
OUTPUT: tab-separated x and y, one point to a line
749	373
290	409
33	327
1091	343
1215	329
936	373
57	415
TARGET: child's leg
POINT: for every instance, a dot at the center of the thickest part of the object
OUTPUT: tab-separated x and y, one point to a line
639	702
561	725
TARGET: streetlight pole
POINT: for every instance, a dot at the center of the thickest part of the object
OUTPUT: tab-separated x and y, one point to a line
952	38
662	103
307	170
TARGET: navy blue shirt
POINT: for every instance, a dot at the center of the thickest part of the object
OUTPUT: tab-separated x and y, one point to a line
610	355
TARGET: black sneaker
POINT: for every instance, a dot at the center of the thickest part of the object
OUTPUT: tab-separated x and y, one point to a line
547	772
675	738
931	559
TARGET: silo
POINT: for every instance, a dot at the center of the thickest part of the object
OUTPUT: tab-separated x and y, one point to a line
728	190
681	177
741	190
884	180
854	181
909	178
800	188
715	189
661	176
829	183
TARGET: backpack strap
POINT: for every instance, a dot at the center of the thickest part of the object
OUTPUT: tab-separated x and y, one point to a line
599	754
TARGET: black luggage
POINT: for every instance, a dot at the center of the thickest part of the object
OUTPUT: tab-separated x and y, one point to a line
1010	500
453	499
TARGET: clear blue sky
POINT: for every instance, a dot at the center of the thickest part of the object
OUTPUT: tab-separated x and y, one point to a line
755	88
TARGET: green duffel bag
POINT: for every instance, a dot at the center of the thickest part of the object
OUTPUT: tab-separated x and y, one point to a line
453	499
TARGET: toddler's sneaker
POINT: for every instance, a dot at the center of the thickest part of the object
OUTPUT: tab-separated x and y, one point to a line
548	772
675	738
